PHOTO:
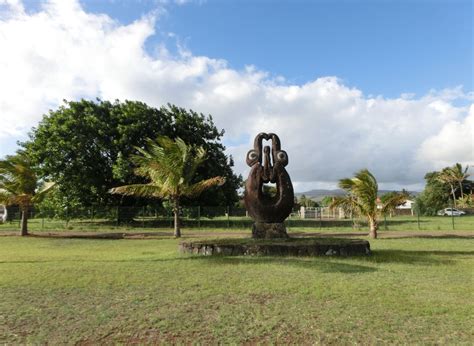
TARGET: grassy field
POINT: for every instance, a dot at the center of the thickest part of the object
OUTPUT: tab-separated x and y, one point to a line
398	223
58	291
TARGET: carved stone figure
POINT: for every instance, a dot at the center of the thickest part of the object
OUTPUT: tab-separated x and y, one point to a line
269	212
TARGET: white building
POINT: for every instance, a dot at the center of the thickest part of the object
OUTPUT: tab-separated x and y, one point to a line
409	204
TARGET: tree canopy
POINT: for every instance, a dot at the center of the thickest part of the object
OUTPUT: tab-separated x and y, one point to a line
85	146
307	202
449	186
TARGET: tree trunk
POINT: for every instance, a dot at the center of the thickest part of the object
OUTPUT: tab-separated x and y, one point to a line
373	228
462	192
177	230
454	195
24	221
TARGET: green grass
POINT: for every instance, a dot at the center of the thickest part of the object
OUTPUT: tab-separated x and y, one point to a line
398	223
102	291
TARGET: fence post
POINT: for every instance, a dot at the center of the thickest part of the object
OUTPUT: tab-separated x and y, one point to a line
385	221
320	218
228	220
199	216
418	215
170	217
452	214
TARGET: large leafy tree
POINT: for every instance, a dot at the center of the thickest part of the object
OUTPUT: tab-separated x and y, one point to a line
85	148
170	166
434	197
19	185
440	185
361	198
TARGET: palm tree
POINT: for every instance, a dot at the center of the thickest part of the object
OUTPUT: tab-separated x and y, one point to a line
391	200
362	198
453	176
19	185
459	175
170	166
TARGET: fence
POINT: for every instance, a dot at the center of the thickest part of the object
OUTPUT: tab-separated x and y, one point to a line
141	218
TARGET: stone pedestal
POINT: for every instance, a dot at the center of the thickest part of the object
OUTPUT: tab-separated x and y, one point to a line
278	247
264	230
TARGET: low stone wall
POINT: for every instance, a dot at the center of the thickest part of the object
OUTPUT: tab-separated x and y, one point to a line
291	247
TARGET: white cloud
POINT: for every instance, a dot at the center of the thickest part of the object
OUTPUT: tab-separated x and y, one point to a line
454	140
328	129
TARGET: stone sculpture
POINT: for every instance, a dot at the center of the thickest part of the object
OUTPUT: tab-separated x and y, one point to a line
268	212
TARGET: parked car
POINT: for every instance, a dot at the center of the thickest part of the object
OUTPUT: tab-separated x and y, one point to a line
450	212
3	213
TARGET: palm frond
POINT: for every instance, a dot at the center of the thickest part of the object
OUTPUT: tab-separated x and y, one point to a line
43	191
17	177
197	188
447	176
139	190
190	167
393	202
348	203
363	187
170	165
459	172
346	184
5	197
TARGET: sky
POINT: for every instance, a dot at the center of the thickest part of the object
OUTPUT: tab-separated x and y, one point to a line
383	85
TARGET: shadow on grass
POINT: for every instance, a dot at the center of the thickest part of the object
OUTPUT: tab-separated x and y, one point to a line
104	236
417	257
322	264
441	236
423	257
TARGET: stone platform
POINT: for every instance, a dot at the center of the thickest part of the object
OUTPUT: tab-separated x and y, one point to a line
265	230
280	247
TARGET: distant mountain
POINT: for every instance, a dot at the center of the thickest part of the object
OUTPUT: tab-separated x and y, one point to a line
319	194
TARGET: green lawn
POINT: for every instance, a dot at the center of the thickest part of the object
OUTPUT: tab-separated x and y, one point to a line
58	291
398	223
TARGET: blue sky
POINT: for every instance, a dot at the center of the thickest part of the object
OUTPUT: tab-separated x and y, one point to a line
381	47
383	85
